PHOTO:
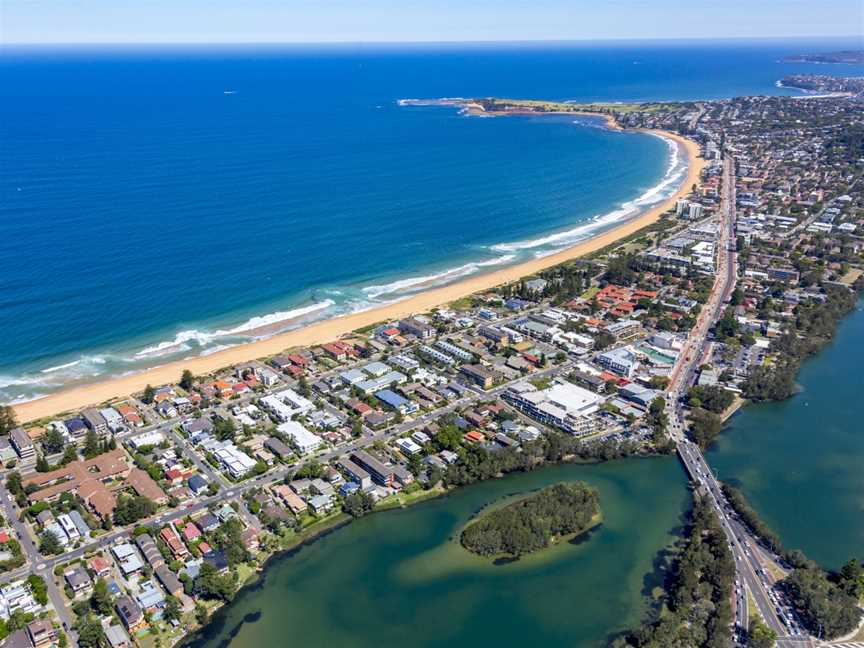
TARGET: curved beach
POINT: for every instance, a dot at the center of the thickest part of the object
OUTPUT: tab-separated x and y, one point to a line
331	329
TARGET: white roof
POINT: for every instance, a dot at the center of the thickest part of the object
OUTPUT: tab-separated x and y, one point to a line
573	398
301	437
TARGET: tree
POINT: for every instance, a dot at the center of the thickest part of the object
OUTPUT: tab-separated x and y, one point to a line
358	504
704	427
201	613
760	635
172	610
187	379
42	464
213	585
224	429
149	394
49	544
70	454
310	470
100	600
8	422
53	441
131	509
92	447
90	633
38	588
826	610
303	387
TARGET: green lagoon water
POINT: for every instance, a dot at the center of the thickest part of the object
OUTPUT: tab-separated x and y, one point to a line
400	577
801	462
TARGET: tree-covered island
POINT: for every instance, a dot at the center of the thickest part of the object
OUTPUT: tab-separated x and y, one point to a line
534	522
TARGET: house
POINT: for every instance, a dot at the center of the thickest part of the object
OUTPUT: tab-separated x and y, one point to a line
130	614
396	402
278	447
321	504
175	544
197	426
113	419
77	580
217	560
127	558
335	351
169	581
76	426
208	522
359	407
419	329
100	567
289	498
166	409
116	637
151	552
41	633
150	598
191	532
408	446
197	484
249	538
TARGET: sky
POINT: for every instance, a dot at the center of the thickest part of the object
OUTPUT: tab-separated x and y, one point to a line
251	21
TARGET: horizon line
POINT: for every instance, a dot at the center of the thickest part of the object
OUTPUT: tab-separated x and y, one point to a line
435	41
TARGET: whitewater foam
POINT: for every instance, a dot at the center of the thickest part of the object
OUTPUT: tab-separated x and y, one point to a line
193	338
413	284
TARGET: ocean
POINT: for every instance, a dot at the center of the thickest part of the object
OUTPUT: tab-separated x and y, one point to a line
158	203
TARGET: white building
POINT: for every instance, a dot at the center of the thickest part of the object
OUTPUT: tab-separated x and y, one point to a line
622	361
695	212
234	461
408	446
563	405
14	597
147	439
300	437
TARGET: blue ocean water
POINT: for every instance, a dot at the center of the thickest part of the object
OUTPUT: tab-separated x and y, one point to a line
160	202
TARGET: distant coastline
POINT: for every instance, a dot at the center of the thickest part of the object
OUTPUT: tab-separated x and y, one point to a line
330	329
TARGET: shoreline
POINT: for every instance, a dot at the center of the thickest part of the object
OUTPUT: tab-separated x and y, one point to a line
332	329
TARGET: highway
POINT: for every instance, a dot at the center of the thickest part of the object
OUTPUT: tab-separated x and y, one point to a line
751	575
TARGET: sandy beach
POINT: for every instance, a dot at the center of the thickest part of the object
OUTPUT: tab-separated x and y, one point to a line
329	330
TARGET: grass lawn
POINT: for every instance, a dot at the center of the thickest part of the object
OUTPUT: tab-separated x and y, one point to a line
588	294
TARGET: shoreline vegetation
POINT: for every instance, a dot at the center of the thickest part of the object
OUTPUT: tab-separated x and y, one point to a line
695	606
332	329
533	522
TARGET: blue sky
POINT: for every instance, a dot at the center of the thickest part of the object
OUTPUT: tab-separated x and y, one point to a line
129	21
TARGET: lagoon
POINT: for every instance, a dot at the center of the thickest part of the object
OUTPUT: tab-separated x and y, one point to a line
401	578
801	462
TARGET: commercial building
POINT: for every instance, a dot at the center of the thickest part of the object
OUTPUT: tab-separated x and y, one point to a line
622	361
563	405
